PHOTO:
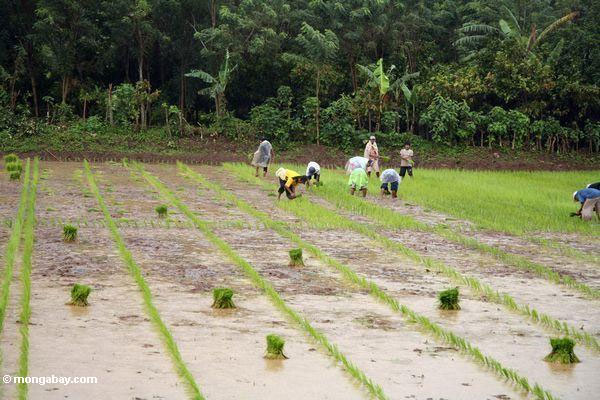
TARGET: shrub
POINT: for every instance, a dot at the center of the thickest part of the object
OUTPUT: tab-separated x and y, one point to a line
275	348
449	299
296	258
10	158
222	298
562	351
161	210
69	233
79	295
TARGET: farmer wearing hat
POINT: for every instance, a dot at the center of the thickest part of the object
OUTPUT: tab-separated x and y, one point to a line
590	201
313	170
372	154
288	181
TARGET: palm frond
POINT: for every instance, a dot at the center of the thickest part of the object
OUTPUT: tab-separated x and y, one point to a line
557	24
512	17
205	76
469	40
477	28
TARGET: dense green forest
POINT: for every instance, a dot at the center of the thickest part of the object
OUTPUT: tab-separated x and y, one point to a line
515	74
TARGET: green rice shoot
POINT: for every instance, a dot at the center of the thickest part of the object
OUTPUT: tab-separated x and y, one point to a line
562	351
275	348
15	175
10	158
69	233
79	295
296	258
449	299
162	210
222	298
14	166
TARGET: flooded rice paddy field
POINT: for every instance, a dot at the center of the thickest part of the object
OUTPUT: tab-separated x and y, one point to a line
114	339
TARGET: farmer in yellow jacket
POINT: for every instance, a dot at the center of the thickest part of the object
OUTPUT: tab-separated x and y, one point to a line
288	181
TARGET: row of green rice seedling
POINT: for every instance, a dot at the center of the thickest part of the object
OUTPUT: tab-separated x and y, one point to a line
12	247
374	389
336	193
380	294
134	270
566	250
318	215
26	281
13	166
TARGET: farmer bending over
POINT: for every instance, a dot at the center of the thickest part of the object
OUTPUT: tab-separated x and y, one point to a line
594	186
372	154
288	181
356	162
263	156
390	177
313	170
358	180
590	201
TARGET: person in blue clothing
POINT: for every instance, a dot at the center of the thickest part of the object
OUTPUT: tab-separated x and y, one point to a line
590	202
594	185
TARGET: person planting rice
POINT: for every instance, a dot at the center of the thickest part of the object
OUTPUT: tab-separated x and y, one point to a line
390	177
590	202
313	170
406	161
288	181
358	181
594	186
356	162
263	156
372	154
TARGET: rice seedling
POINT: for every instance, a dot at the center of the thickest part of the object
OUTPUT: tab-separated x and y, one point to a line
275	348
161	210
79	295
135	271
296	258
14	166
379	294
321	217
562	351
263	284
10	158
69	233
15	175
222	298
448	299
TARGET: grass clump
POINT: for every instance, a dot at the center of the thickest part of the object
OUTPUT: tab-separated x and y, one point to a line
222	298
296	258
79	295
14	166
10	158
69	233
15	175
449	299
161	210
275	348
562	351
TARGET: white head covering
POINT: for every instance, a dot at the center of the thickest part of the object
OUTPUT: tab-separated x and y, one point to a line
588	185
372	137
575	194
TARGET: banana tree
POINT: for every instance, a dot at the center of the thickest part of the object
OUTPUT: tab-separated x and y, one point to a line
410	98
218	83
378	79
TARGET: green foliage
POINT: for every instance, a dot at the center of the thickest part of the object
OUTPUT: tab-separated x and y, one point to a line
14	166
15	175
10	159
449	299
222	298
79	295
69	233
562	351
450	121
275	348
162	210
296	258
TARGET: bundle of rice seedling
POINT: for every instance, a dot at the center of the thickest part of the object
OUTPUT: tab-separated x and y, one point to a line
14	166
79	295
222	298
69	233
10	158
15	176
449	299
296	258
161	210
562	351
275	348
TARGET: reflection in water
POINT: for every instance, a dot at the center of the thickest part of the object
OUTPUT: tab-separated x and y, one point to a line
77	311
274	365
564	371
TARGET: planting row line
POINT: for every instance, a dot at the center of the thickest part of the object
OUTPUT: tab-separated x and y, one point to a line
320	216
334	193
24	318
432	328
136	273
264	285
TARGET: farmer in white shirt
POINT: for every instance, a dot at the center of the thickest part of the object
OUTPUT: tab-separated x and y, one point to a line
372	154
390	177
313	170
406	161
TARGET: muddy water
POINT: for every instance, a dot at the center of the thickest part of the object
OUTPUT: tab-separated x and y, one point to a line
485	325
